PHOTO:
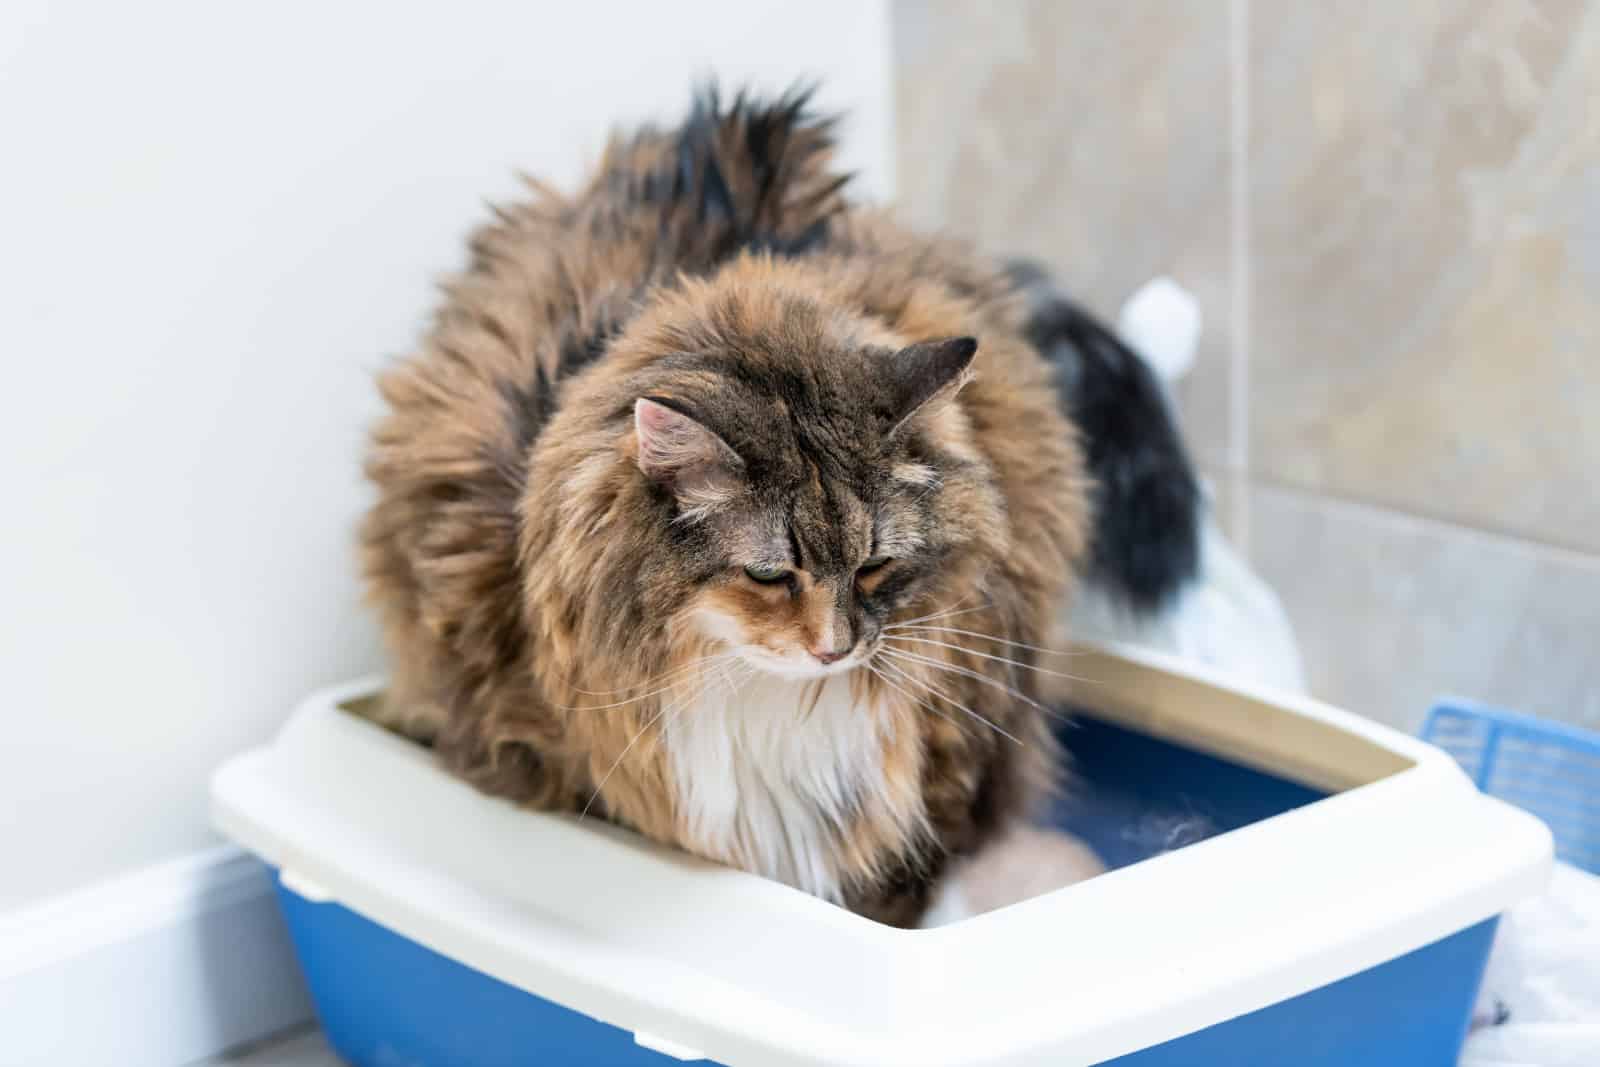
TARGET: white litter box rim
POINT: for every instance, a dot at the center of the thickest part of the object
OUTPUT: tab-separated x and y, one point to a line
703	960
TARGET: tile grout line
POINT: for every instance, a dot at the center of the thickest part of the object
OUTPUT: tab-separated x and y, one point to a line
1433	525
1239	258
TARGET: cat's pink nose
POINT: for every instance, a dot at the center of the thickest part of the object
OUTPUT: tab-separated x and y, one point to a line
827	656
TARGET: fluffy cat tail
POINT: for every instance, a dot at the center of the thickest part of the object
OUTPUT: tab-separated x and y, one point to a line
1146	539
741	172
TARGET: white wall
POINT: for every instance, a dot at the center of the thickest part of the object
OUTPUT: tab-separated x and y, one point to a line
215	221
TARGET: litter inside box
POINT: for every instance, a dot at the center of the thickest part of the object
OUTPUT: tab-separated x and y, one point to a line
1132	796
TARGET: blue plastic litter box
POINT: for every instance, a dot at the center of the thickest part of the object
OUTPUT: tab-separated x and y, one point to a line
1290	883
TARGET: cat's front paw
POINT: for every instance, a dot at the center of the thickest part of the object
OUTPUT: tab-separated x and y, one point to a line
1022	863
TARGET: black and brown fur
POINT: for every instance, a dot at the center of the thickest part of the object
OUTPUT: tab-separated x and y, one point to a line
523	564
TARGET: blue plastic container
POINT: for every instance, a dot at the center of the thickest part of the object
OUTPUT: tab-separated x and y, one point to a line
1290	885
385	1001
1544	767
1137	797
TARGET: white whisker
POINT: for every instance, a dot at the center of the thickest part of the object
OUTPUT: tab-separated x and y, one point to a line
735	673
916	657
986	637
908	676
916	700
943	613
682	673
678	670
620	757
986	655
923	682
660	712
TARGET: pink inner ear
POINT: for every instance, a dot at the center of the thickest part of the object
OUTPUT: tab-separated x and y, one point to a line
667	439
677	451
654	421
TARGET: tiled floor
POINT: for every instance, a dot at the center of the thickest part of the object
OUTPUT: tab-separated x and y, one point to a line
299	1048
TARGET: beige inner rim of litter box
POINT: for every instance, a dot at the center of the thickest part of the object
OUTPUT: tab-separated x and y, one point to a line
1224	722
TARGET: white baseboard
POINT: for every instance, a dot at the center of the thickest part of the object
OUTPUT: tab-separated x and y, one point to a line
158	968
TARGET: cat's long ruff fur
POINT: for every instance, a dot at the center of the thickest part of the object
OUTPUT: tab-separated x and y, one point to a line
526	601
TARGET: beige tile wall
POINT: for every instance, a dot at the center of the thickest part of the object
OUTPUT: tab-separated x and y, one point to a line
1391	215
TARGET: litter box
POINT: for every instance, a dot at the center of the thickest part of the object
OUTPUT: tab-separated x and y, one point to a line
1338	910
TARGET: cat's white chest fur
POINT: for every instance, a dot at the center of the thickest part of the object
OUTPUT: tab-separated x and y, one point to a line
767	770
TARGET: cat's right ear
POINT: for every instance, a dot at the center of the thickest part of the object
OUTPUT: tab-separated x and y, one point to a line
676	451
923	373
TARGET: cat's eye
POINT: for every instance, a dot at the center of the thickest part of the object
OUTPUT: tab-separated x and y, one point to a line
873	564
766	575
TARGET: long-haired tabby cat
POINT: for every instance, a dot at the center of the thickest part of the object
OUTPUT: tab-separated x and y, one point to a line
725	510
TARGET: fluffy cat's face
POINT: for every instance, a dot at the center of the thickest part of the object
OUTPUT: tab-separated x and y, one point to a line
809	580
813	493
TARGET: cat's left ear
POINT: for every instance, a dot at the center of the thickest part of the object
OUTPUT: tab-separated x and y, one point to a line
927	371
676	451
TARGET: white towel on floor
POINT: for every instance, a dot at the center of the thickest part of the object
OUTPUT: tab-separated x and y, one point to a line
1543	981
